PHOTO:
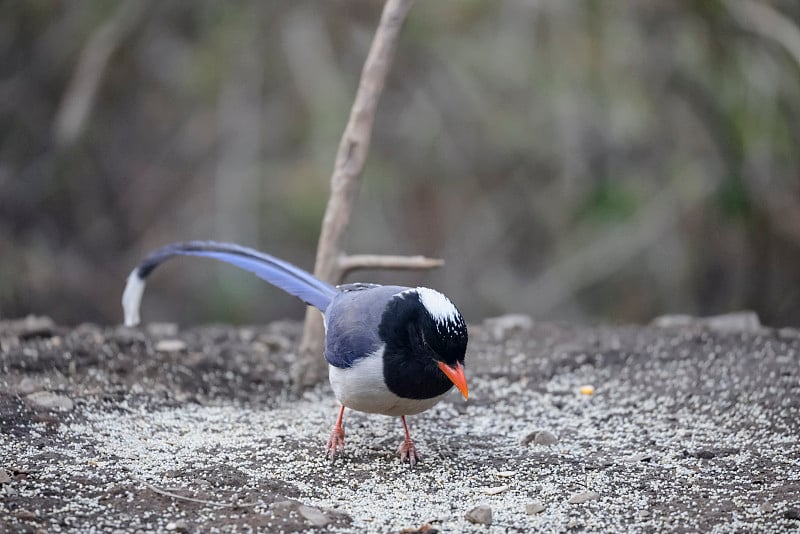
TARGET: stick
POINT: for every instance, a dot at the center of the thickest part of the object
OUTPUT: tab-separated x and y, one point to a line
355	262
350	159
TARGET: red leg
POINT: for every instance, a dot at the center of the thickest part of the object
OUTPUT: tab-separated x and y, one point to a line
336	441
408	452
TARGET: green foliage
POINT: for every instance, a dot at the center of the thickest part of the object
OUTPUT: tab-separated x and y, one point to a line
608	201
734	200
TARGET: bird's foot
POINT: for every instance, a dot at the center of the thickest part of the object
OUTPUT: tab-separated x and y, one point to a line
335	443
408	452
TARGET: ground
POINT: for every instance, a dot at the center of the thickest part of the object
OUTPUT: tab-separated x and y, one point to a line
691	426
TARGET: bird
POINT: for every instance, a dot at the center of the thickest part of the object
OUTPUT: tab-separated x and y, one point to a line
391	350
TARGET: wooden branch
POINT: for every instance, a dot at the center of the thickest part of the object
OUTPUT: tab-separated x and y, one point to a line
350	263
350	159
354	146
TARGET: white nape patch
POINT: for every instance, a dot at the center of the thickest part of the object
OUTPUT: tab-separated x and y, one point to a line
132	298
362	388
439	306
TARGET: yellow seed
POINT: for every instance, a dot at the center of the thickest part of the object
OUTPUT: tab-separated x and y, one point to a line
587	390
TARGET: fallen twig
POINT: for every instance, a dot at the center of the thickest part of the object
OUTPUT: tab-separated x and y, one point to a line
172	495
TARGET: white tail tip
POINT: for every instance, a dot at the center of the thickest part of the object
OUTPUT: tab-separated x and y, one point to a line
132	298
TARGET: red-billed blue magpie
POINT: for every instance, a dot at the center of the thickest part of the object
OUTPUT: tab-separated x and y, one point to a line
391	350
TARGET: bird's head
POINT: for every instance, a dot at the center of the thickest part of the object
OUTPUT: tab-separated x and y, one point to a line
426	327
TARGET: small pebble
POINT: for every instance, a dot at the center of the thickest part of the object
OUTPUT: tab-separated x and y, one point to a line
170	345
501	326
25	515
584	496
50	401
792	513
506	474
31	327
533	508
543	437
313	515
638	457
495	490
426	528
481	515
283	507
178	526
4	477
28	385
162	329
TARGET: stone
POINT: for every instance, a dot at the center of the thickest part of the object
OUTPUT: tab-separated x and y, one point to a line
425	528
25	515
500	326
495	490
584	496
533	508
792	513
741	321
672	321
28	385
638	457
170	345
481	515
50	401
313	515
162	329
540	437
284	506
4	477
32	326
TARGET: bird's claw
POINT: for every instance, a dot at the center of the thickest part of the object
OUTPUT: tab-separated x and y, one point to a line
335	444
408	452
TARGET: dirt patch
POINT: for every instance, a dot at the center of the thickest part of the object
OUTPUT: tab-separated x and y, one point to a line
689	428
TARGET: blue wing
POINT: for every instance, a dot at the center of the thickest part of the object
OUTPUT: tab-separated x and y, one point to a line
282	274
353	321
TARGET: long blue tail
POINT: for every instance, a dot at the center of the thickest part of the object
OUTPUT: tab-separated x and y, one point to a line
282	274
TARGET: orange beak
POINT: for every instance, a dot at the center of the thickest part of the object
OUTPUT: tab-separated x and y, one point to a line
456	375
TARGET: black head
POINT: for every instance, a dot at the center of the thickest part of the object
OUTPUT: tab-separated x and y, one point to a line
426	337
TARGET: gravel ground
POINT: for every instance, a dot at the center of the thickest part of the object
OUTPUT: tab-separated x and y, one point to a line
688	426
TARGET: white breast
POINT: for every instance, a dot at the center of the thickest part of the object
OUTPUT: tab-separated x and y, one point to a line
361	387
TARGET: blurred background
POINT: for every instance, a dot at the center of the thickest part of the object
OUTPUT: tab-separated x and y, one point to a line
587	161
